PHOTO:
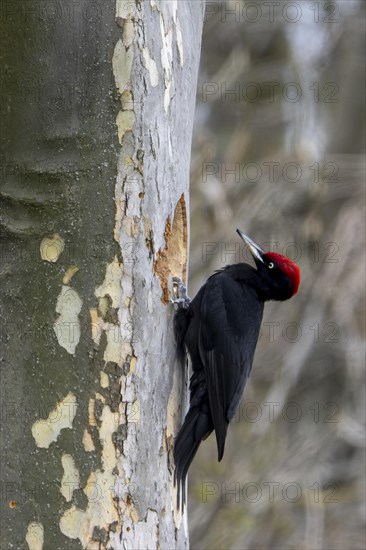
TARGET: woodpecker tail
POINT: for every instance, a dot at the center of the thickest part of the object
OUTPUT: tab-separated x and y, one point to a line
196	427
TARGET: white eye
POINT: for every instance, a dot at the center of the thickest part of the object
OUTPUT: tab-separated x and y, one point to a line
270	265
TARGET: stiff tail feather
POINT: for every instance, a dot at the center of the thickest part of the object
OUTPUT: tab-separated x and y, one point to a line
196	427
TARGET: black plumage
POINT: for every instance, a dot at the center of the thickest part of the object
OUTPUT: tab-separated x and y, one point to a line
220	328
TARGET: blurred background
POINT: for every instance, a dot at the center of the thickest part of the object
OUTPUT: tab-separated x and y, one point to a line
278	151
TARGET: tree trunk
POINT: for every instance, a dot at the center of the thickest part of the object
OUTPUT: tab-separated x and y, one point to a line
97	111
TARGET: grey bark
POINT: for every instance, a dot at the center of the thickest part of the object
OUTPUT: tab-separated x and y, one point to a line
97	112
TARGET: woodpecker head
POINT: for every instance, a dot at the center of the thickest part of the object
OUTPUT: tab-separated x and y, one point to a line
279	276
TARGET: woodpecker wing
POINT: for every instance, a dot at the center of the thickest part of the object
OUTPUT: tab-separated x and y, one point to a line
230	319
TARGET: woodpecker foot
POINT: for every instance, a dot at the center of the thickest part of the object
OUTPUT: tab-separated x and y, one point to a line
180	298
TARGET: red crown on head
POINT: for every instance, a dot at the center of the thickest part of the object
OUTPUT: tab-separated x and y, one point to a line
287	266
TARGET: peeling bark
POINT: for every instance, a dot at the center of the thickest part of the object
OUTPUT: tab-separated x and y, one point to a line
97	116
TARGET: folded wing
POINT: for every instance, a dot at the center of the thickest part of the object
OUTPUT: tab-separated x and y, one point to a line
229	327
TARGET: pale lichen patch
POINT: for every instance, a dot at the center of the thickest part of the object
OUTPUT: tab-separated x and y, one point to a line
122	65
104	380
133	364
35	536
101	510
51	247
109	295
67	326
125	121
69	274
111	285
91	413
127	101
114	350
61	417
103	305
128	35
100	397
125	9
108	427
97	325
70	479
88	442
73	525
